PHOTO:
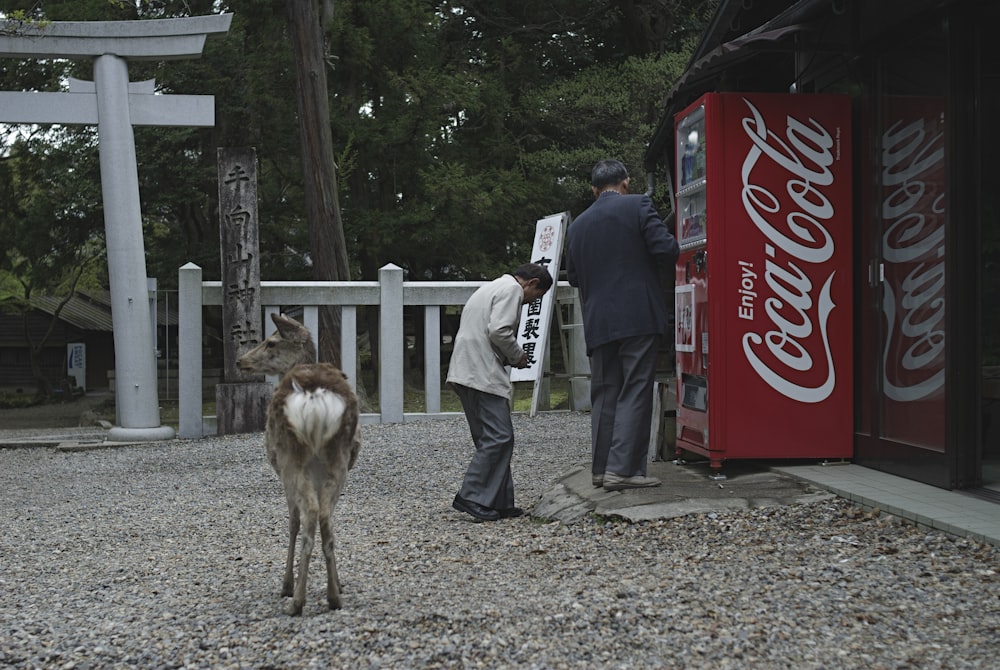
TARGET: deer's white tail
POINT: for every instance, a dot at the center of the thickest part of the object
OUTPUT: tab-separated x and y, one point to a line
315	416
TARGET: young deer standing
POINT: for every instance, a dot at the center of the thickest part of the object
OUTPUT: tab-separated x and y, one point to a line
312	439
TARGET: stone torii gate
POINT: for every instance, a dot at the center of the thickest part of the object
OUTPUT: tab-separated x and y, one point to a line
114	105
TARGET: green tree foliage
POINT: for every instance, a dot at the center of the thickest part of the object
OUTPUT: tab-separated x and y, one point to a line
50	222
465	122
50	218
456	124
249	72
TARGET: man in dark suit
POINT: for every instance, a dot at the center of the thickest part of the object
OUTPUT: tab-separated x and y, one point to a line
615	253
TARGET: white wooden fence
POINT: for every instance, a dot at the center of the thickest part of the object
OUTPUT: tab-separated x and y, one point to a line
390	293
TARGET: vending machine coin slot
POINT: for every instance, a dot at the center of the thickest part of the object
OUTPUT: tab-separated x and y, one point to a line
694	392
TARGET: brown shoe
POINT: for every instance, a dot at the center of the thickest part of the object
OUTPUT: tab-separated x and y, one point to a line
613	482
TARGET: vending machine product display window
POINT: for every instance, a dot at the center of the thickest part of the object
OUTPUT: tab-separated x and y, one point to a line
691	173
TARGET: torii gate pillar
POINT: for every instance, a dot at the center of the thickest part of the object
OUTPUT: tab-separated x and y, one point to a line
115	106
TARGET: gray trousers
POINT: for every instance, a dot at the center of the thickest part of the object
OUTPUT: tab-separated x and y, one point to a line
487	480
621	396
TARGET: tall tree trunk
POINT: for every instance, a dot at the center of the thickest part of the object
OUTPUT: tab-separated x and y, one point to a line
326	231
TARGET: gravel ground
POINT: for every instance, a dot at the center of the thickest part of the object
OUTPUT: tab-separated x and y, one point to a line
170	555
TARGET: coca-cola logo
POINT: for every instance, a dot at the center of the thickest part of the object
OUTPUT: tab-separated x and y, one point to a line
913	301
781	347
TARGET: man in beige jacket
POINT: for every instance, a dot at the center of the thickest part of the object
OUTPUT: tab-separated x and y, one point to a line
486	344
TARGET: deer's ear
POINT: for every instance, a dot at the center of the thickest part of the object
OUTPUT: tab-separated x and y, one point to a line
283	321
289	328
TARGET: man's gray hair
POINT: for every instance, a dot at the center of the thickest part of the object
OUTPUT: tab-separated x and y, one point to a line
608	172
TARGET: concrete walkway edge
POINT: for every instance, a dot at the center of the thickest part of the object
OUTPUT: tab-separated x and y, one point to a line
951	512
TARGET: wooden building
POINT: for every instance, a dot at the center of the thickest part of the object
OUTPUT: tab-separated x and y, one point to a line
85	319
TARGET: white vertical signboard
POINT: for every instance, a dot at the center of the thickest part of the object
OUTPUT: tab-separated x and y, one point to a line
76	363
536	317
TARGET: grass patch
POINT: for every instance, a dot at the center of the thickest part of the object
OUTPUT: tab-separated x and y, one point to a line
19	400
414	399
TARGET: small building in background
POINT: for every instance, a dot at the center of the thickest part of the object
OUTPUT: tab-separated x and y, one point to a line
83	328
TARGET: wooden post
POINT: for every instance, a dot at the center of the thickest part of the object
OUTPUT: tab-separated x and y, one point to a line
241	399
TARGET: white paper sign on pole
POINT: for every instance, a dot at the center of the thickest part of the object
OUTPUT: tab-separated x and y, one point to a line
536	317
76	363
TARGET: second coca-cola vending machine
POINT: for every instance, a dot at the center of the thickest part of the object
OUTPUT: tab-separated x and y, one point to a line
763	282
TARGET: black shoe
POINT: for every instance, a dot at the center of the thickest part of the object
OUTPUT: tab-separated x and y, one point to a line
475	509
511	512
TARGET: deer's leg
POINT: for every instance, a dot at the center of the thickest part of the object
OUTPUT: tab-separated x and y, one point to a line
293	532
305	553
355	446
332	579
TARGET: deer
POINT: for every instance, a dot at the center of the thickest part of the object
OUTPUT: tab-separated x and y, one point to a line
312	438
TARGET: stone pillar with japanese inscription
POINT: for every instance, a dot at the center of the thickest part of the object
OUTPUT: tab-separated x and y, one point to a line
242	398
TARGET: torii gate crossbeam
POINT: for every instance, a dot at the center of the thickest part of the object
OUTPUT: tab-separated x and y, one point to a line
115	105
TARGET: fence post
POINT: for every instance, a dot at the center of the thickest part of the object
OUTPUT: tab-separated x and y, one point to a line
269	330
432	358
189	347
349	344
391	338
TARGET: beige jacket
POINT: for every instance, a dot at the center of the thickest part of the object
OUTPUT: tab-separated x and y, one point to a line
487	338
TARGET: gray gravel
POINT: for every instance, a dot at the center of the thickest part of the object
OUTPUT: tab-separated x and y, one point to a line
169	555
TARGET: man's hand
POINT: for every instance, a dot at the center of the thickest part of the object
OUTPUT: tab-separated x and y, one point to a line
522	362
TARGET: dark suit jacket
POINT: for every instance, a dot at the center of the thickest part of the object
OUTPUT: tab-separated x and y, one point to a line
614	254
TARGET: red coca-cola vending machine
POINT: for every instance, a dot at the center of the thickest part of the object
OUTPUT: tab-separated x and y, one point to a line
763	282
